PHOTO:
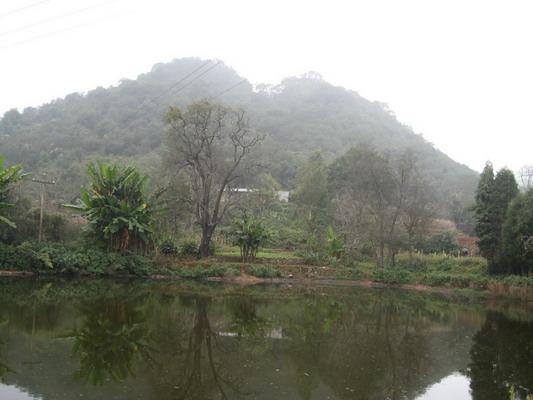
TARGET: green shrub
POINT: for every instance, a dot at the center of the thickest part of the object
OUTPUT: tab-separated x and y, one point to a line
189	248
264	271
391	275
168	247
414	264
57	258
518	280
311	257
201	272
454	280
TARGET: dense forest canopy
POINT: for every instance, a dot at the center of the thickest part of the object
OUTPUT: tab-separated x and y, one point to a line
298	116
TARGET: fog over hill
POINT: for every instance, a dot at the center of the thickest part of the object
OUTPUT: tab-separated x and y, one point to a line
298	116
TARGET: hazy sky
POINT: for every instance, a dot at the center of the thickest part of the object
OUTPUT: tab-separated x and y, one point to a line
460	72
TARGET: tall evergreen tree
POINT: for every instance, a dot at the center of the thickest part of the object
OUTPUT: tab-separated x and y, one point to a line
492	200
505	190
517	235
311	198
484	213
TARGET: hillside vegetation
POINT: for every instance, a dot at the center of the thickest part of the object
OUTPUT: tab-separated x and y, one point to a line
298	116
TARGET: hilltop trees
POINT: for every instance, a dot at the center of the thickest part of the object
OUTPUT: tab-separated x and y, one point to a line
210	142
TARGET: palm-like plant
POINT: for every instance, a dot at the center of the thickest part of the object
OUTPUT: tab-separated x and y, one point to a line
8	178
117	207
249	233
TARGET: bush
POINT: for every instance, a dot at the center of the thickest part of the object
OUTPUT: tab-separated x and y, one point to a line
200	272
57	258
189	248
518	280
264	271
168	247
416	264
391	275
311	257
444	242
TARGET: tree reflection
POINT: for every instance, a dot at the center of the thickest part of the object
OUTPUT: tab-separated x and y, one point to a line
244	319
368	350
201	375
502	358
113	337
4	368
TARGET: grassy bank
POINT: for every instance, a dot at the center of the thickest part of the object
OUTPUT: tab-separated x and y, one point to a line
428	270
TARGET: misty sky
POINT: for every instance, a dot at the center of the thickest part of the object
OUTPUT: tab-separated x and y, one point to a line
460	72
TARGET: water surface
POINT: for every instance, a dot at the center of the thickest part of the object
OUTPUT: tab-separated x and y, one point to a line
137	340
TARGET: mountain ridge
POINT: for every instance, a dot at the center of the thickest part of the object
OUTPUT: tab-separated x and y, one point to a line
299	115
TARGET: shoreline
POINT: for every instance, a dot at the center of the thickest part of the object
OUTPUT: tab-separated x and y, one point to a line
507	292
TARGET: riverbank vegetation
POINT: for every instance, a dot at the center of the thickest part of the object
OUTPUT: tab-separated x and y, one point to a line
215	201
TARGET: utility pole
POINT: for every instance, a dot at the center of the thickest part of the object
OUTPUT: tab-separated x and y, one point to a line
41	214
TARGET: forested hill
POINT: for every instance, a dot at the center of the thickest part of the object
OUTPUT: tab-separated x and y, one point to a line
298	116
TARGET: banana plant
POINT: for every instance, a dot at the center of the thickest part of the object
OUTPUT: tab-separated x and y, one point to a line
8	178
249	233
117	207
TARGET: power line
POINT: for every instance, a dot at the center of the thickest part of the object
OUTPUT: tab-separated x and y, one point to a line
227	90
56	17
52	33
154	99
193	80
22	9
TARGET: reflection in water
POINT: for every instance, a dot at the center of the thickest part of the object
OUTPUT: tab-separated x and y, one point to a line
168	341
14	393
4	369
453	387
112	338
502	358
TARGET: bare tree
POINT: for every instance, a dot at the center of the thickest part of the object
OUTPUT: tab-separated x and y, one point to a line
380	200
418	208
210	142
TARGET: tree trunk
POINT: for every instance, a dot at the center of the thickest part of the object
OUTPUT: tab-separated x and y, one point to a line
207	234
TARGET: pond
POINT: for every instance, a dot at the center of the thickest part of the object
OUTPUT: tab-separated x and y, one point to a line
175	340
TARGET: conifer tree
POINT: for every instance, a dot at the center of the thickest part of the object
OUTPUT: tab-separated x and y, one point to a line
505	189
517	235
484	213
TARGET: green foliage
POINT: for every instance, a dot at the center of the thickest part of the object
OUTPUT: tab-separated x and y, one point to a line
59	259
335	244
57	227
207	271
189	248
518	236
263	271
117	208
311	257
444	242
493	197
168	246
484	213
391	275
312	199
249	233
298	116
9	176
